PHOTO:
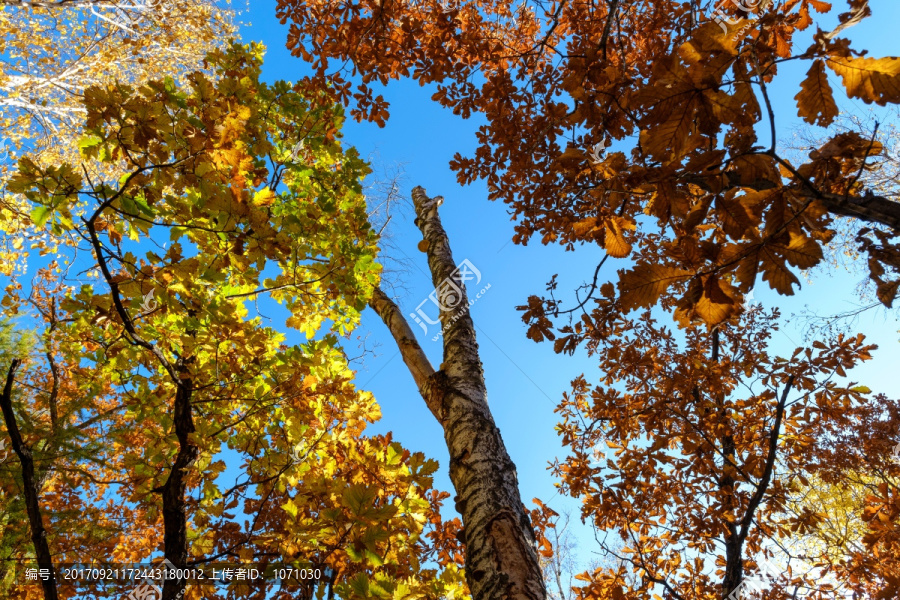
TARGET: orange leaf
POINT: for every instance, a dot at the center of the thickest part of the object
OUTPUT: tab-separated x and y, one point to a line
870	79
616	244
716	304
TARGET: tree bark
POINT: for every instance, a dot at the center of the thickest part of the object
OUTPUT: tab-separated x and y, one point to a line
872	209
501	555
174	509
31	487
875	210
734	544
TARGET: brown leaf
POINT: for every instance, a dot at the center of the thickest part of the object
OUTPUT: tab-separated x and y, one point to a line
815	100
756	171
644	284
802	251
717	303
616	244
738	214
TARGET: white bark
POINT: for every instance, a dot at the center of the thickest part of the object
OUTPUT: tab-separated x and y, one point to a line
501	558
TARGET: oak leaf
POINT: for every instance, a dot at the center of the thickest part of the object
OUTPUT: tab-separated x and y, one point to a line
815	101
870	79
644	284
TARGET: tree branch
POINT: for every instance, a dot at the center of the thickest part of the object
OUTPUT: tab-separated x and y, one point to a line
770	462
418	364
31	489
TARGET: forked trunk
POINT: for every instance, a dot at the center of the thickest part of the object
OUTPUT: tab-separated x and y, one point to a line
501	557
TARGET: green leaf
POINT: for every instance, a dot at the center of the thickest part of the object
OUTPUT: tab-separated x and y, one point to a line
40	215
358	498
360	585
87	146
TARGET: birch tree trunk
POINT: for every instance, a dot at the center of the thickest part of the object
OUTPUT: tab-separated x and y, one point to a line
501	556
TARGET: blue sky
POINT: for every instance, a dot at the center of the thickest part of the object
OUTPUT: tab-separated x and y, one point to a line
525	380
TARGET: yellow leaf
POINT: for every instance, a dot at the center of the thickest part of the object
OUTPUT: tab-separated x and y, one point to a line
615	243
264	197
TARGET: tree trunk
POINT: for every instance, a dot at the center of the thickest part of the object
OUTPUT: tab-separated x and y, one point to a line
734	545
174	505
501	557
175	547
31	488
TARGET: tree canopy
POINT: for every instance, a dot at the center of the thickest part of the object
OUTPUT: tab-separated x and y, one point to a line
238	174
187	245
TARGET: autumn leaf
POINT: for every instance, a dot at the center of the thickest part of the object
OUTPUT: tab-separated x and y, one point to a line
739	212
615	242
869	79
815	101
717	302
643	285
264	197
203	375
802	251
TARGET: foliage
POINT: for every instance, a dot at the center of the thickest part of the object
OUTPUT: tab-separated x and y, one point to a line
648	129
250	186
707	439
53	51
681	98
